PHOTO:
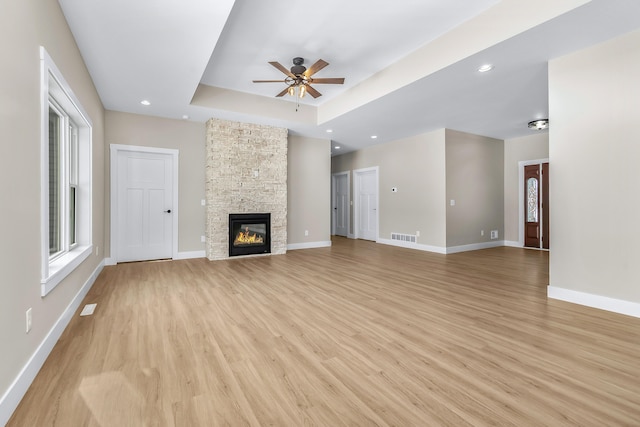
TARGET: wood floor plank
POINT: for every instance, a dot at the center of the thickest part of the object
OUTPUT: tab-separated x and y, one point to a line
356	334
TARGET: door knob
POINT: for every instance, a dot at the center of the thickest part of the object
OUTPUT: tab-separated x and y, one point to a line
168	211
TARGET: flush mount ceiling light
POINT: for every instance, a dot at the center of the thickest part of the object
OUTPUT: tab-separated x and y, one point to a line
145	102
486	67
374	136
539	124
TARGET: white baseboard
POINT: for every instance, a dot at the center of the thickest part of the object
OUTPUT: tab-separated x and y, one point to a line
596	301
418	246
513	243
191	254
308	245
351	236
474	246
16	391
110	261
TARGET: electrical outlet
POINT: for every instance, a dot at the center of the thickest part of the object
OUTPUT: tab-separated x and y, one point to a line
97	250
29	320
306	232
494	234
203	202
482	232
417	234
203	239
452	202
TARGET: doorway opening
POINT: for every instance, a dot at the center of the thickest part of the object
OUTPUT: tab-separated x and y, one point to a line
340	206
534	204
365	209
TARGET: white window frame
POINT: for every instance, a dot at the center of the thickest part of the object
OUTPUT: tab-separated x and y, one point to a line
55	91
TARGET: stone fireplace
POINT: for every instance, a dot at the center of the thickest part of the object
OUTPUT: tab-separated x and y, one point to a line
246	173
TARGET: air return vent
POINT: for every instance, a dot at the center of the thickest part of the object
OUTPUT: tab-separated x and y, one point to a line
411	238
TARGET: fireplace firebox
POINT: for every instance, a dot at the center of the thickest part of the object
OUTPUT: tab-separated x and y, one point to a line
249	234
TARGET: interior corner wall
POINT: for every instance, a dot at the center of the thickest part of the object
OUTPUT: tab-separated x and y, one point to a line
530	147
594	105
25	26
416	167
309	192
246	172
185	136
475	180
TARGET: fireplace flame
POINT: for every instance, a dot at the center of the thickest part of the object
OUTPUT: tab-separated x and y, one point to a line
248	238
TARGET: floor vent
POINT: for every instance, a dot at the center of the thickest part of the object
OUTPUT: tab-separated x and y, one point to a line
88	310
411	238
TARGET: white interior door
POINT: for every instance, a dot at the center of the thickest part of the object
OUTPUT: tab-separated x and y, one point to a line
366	206
340	203
144	206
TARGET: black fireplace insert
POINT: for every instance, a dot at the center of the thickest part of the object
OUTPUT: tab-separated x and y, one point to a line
249	234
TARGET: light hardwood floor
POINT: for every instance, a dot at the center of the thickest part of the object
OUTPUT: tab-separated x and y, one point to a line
358	334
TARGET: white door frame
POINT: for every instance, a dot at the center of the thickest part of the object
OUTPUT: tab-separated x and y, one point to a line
333	201
521	166
356	193
118	148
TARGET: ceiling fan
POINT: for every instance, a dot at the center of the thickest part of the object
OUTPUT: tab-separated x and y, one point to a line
299	78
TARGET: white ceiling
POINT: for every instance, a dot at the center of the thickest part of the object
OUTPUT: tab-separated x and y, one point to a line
197	58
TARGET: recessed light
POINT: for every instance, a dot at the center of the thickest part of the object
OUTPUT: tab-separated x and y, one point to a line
145	102
329	130
485	68
374	136
337	147
185	117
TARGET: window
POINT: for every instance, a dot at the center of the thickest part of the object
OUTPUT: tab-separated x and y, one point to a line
66	178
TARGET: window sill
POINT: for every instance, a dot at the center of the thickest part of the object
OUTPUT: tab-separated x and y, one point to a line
63	266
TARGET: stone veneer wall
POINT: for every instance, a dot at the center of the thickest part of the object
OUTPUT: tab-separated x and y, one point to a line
246	172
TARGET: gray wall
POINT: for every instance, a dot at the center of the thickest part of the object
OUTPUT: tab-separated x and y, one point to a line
594	98
429	170
309	176
475	181
416	167
189	138
532	147
309	190
24	26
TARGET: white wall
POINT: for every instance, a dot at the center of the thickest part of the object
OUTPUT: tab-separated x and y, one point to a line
594	147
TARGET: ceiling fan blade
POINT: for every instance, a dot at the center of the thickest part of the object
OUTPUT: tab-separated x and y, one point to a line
311	91
283	93
319	65
329	80
281	67
268	81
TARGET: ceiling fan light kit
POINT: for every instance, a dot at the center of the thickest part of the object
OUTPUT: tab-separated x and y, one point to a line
298	79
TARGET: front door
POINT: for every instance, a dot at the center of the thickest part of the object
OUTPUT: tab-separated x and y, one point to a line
144	206
340	217
366	209
536	206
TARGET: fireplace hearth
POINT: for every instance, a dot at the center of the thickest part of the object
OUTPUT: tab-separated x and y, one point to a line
249	234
